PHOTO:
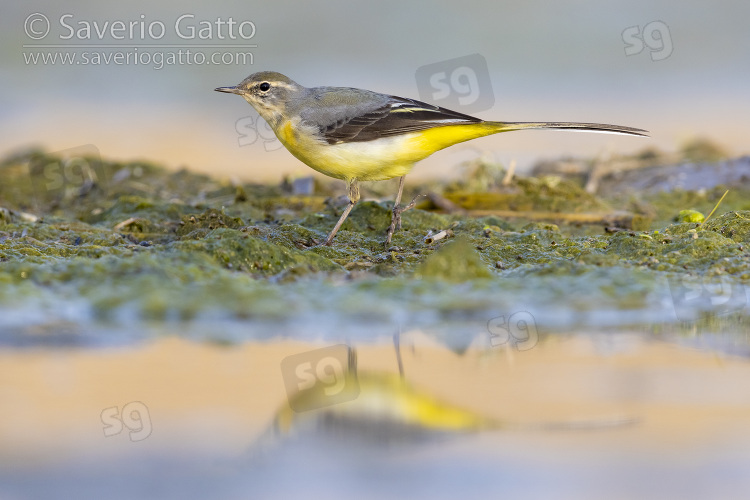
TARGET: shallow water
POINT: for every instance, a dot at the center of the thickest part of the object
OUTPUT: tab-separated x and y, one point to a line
620	415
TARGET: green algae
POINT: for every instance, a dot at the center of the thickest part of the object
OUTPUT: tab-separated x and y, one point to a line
664	207
238	250
456	261
177	244
734	225
690	216
550	194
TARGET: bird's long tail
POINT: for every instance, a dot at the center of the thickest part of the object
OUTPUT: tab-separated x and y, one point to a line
584	127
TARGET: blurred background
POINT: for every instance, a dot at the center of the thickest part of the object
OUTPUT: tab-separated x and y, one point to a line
686	75
144	330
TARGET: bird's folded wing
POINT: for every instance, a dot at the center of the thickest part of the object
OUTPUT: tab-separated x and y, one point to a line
384	117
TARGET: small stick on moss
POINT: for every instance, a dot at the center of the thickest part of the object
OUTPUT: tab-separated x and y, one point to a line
124	223
432	238
509	174
617	218
714	210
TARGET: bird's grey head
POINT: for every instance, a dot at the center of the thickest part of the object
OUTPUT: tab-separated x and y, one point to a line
268	92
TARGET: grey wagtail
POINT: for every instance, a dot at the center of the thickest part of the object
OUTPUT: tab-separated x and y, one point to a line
359	135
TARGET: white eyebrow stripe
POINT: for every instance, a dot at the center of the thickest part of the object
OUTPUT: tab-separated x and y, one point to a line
278	84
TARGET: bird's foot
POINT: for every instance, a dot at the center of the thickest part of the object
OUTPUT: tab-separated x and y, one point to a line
396	218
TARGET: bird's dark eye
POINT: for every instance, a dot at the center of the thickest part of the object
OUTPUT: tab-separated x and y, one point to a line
265	86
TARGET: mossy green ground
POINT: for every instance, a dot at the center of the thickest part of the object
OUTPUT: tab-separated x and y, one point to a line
176	245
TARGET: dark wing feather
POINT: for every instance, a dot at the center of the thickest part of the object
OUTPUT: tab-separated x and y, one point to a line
397	116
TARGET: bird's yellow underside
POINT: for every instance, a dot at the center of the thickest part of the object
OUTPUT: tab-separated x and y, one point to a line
386	397
378	160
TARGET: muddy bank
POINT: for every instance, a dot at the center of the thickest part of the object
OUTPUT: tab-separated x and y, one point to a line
132	240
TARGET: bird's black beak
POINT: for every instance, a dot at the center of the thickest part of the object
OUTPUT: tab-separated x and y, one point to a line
229	90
